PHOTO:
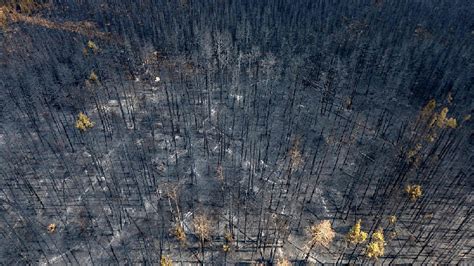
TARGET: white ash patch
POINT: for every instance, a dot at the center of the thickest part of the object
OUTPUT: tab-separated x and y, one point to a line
148	206
246	165
113	103
187	220
237	97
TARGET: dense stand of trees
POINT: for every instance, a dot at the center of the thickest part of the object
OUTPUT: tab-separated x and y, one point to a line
251	119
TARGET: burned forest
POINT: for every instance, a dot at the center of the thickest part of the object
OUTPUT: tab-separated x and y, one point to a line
236	132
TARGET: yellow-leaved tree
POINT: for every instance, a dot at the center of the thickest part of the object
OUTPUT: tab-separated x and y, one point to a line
376	248
166	261
356	235
414	191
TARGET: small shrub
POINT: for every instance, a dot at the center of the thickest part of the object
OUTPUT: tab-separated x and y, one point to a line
413	152
392	219
93	77
51	228
225	248
393	234
3	18
442	121
180	234
83	122
451	122
428	109
414	191
228	239
431	137
283	262
92	46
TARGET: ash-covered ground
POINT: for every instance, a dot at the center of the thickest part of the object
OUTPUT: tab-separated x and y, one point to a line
222	131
